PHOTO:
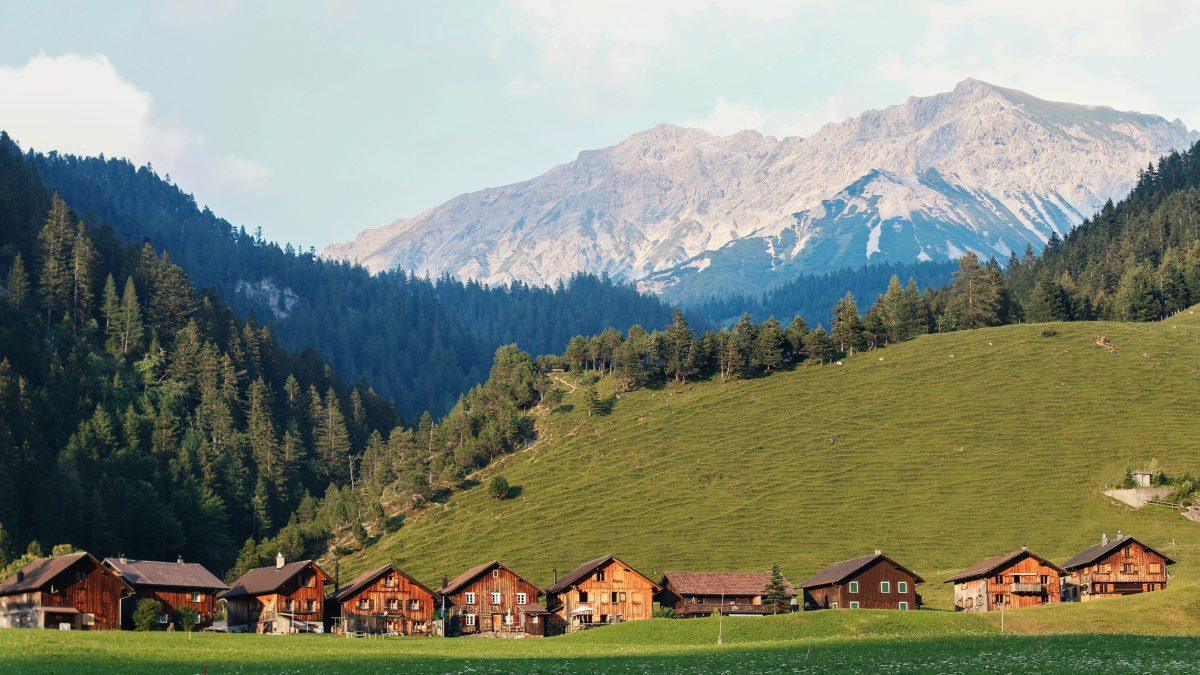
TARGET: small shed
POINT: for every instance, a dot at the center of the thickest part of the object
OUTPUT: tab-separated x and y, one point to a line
1141	478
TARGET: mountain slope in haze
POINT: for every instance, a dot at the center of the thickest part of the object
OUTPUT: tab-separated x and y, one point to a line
689	214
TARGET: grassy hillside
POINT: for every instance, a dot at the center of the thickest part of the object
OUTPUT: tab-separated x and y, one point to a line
939	451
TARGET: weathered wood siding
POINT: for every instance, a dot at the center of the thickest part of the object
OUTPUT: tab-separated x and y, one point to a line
1128	570
301	599
399	604
489	616
173	599
971	596
870	593
1024	582
93	590
614	591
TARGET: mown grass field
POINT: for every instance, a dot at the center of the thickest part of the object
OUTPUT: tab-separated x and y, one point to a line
862	641
939	451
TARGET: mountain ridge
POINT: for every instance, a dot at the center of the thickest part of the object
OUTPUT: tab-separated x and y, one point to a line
671	204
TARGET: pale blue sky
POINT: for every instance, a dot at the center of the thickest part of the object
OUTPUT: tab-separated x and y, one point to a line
315	120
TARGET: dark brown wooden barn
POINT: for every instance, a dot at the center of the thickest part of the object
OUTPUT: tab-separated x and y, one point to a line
173	584
598	592
1123	566
491	599
384	600
870	582
286	598
71	591
693	594
1010	581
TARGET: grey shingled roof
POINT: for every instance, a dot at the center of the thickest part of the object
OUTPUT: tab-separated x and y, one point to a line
579	573
470	575
172	574
265	579
986	566
716	583
1100	551
840	571
40	572
367	578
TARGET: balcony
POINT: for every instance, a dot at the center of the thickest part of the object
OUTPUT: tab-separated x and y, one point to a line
707	608
1026	588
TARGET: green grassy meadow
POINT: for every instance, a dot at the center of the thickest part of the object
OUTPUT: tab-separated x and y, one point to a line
940	451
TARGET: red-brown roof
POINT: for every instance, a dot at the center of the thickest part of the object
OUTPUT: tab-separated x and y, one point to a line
533	609
581	572
840	571
266	579
172	574
367	578
1091	554
717	583
988	565
44	570
470	575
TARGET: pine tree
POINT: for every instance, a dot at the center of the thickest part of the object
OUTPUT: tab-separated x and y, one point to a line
54	248
820	345
132	330
847	332
332	439
83	260
18	283
797	333
113	314
769	345
261	505
680	359
775	593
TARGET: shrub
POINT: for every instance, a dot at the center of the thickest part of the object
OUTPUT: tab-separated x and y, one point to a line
146	614
1049	332
666	613
498	488
187	618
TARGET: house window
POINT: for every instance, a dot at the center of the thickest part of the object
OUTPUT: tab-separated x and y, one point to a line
1045	579
833	605
470	599
885	587
389	582
853	586
1128	551
495	598
622	596
583	596
1155	568
904	605
901	586
999	579
414	604
998	599
163	618
469	619
600	575
197	597
393	603
616	597
533	620
1127	568
853	604
311	605
603	618
496	573
364	603
521	598
80	576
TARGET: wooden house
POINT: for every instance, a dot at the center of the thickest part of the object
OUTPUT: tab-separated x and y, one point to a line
74	592
1123	566
870	582
384	600
491	599
693	594
598	592
175	585
1013	580
286	598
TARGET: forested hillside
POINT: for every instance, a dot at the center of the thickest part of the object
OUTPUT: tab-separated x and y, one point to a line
139	416
421	342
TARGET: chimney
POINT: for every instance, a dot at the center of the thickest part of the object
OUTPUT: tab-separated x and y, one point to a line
878	551
1118	534
445	581
179	560
337	575
123	560
1104	539
20	575
555	577
279	560
1024	547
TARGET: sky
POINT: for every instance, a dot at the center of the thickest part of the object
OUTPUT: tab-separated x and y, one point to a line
317	119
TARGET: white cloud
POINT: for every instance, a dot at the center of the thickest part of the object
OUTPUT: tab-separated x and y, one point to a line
81	105
728	117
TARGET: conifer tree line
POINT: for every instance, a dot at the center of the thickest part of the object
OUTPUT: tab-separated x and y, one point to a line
420	341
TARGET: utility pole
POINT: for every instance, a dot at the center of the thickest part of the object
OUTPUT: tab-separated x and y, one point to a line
721	620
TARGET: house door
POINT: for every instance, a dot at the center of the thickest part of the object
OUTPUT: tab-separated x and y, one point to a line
497	619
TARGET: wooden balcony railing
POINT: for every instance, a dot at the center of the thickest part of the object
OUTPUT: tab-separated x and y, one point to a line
1026	588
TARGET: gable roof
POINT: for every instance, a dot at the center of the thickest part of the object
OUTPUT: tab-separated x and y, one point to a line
581	572
988	565
840	571
173	574
457	583
43	570
716	583
367	578
267	579
1091	554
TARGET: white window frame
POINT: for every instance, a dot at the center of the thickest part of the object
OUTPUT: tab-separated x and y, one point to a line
414	604
469	620
885	587
903	605
853	604
853	586
197	597
901	586
495	597
833	605
522	598
469	598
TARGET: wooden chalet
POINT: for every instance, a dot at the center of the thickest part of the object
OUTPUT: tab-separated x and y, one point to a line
601	591
1123	566
693	594
1013	580
384	600
286	598
173	584
491	599
69	592
870	582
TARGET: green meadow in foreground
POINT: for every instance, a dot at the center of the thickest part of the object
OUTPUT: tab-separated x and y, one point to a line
940	451
864	641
